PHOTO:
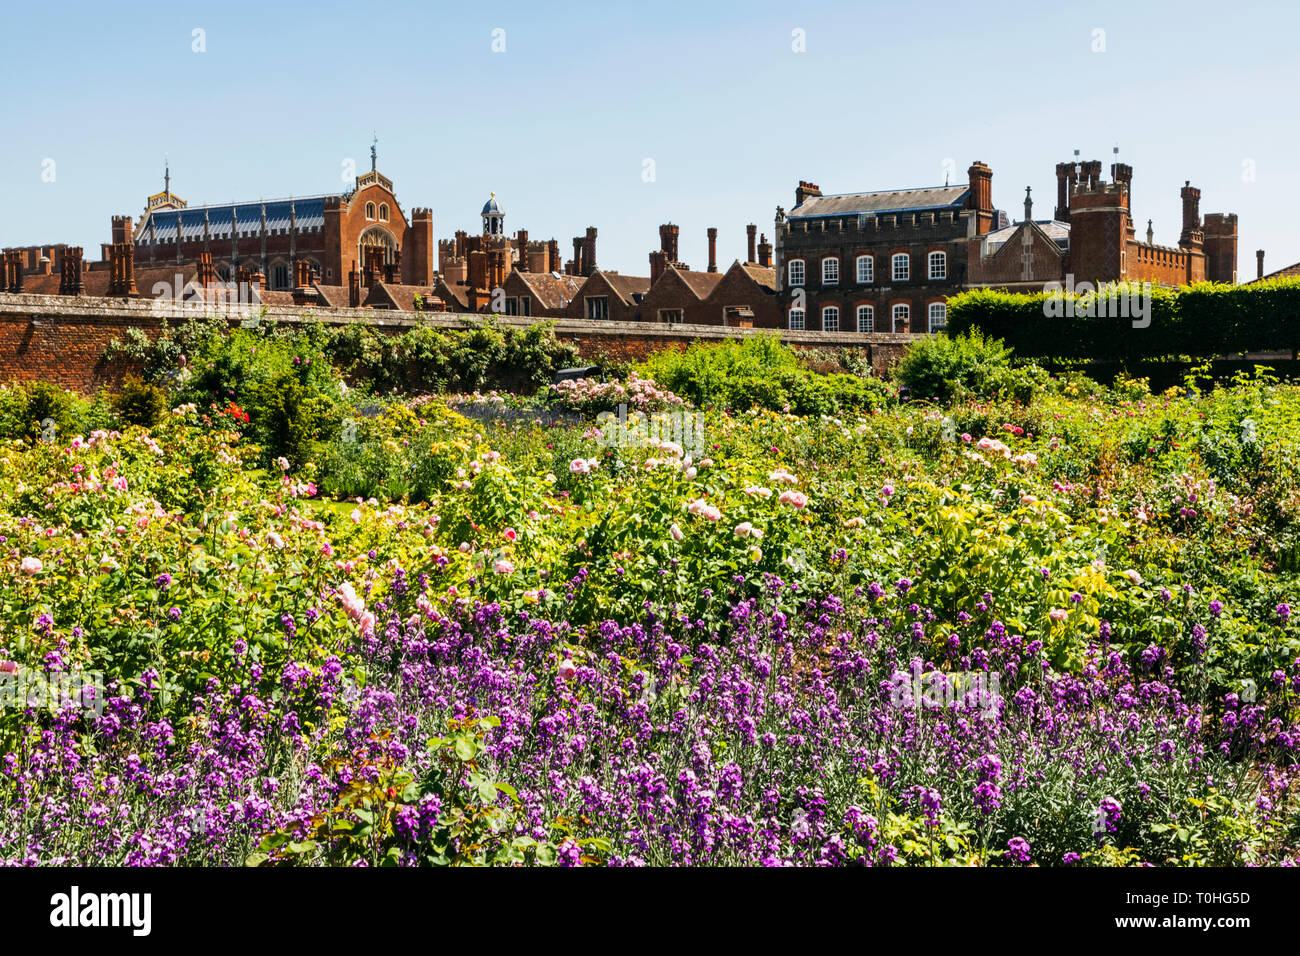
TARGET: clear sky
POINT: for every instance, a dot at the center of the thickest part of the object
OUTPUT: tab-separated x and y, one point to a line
561	123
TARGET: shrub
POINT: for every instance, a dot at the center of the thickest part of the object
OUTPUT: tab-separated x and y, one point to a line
941	367
140	402
1204	320
760	372
290	419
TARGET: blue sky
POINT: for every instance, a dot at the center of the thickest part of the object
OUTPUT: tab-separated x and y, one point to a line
560	123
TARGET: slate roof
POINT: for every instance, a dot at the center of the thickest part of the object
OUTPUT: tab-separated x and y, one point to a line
1058	232
882	201
309	211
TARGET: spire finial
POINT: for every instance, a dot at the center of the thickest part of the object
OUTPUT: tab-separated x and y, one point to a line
373	151
167	175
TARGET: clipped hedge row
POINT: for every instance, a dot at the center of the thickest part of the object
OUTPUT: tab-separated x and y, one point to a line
1204	320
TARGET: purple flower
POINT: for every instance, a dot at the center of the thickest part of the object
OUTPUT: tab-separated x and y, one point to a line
1283	612
174	614
1018	850
1216	608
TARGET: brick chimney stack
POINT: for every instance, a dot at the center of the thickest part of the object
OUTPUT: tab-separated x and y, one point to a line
71	282
713	248
122	270
589	251
668	241
1191	213
980	199
577	256
765	252
13	274
751	236
1259	263
553	248
122	229
1123	173
496	260
658	263
806	191
1067	174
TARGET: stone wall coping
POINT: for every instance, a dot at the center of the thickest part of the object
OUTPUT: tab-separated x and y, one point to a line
146	310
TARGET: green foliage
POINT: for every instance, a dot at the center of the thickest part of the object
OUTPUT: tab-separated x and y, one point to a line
759	372
159	357
428	359
40	411
1204	320
943	367
140	402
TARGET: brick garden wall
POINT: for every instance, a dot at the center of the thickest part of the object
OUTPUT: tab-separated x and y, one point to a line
61	339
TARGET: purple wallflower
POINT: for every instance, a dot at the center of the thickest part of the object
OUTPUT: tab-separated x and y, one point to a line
1018	850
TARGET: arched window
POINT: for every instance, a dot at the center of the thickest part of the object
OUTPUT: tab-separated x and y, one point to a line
866	318
830	319
796	319
830	270
795	271
938	316
902	315
938	265
866	270
902	267
383	212
370	210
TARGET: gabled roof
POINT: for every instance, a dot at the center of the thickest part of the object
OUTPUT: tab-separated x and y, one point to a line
1057	232
551	291
274	297
625	286
1288	272
882	201
393	295
334	296
457	294
701	283
763	276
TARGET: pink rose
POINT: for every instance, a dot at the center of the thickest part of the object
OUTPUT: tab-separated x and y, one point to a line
31	565
567	670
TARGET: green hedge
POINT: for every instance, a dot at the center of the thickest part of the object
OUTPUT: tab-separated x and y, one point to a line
1204	320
